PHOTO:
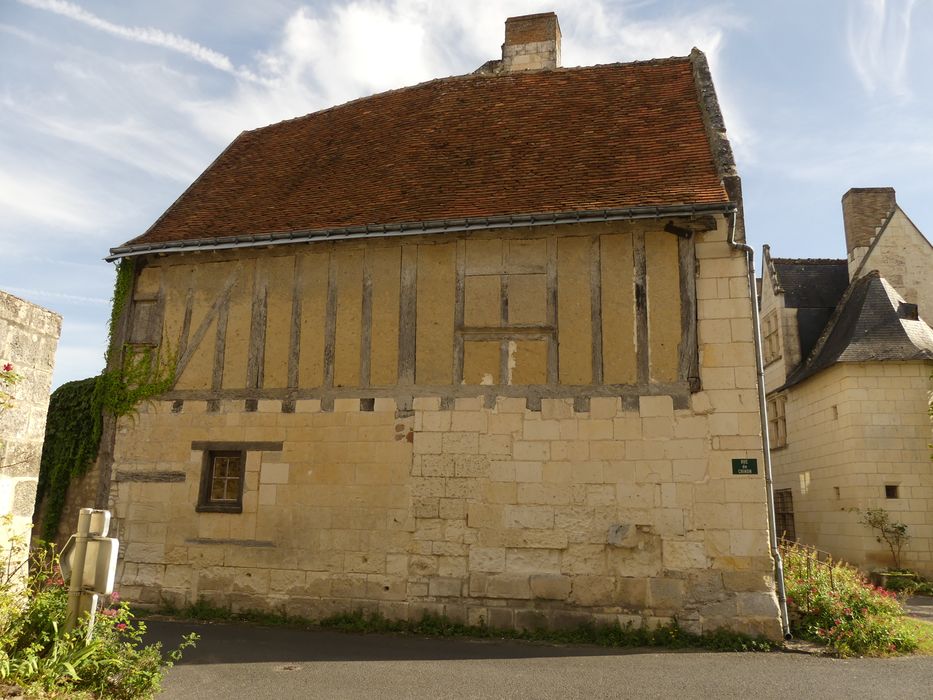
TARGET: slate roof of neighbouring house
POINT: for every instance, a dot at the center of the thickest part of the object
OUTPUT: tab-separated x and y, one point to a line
564	140
812	286
869	324
811	283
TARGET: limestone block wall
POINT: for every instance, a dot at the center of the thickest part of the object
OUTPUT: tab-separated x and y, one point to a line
28	339
852	429
522	428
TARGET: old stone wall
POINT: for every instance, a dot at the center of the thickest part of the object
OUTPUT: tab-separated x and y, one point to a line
28	339
530	428
851	430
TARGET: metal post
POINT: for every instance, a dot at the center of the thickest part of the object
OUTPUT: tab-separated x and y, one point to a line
76	584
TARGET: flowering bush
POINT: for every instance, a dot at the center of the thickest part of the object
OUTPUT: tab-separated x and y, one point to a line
835	604
7	379
39	656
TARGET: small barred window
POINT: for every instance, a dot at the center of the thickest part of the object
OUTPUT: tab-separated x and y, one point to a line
222	482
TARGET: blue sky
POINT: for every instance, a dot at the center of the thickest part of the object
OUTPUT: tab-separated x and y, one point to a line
108	110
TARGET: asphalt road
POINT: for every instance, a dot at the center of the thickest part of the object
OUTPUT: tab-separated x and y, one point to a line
241	661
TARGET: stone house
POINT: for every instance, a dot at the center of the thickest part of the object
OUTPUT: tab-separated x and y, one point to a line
28	340
477	347
849	359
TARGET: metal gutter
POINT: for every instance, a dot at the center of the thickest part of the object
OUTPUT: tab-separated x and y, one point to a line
418	228
765	437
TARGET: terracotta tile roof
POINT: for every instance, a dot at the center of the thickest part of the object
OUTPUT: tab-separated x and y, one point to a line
601	137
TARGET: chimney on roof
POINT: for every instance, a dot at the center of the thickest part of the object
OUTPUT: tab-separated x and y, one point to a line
531	42
864	211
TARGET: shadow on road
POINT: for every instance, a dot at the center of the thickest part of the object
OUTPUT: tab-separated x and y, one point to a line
224	643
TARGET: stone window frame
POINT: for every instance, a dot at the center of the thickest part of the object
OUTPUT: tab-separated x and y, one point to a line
777	421
206	502
771	337
211	449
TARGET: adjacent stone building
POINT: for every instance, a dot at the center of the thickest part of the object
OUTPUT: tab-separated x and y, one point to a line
477	347
28	339
849	361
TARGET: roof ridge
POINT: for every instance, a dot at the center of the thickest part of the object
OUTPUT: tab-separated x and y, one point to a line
473	76
809	261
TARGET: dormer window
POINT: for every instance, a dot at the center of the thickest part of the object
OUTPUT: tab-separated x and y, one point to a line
907	311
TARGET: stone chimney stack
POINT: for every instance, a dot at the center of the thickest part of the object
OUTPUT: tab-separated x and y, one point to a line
864	210
531	42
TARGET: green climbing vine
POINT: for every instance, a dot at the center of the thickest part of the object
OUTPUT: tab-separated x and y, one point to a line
122	289
72	437
76	409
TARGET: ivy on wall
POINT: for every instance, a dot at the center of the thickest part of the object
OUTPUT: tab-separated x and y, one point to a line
72	437
76	409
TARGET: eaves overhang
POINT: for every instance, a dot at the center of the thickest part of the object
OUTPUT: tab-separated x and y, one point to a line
418	228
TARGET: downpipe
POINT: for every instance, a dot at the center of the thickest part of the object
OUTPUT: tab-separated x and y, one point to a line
765	437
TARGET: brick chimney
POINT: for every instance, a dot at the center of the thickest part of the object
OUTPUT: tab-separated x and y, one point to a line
864	210
531	42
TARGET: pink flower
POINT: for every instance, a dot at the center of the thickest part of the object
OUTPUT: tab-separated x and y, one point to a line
121	626
8	367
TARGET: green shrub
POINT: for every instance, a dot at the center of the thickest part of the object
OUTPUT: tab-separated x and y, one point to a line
39	656
671	636
836	605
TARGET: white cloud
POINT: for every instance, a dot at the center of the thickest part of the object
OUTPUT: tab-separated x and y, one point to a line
329	56
144	35
40	198
878	35
130	140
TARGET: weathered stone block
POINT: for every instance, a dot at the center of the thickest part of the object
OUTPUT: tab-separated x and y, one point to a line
274	473
529	516
632	593
762	604
679	555
593	590
665	593
556	409
532	561
531	619
445	587
501	618
508	586
530	451
460	443
427	443
550	586
541	430
656	406
747	581
487	559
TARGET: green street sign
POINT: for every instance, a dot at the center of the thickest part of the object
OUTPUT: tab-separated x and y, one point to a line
745	466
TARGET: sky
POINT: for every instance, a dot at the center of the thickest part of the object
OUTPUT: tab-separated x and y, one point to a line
110	109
